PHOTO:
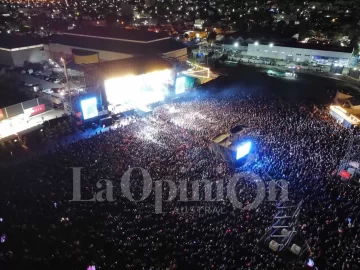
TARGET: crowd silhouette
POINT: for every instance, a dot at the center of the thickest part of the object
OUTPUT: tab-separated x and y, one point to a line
301	143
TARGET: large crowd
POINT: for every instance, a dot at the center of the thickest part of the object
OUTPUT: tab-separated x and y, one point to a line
42	228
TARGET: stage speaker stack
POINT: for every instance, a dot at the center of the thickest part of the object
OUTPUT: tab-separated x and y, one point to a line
295	249
274	246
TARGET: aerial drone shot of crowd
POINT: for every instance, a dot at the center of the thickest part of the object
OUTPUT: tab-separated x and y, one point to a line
41	228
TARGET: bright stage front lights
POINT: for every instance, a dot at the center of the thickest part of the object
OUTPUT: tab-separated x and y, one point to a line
89	108
120	90
243	150
138	91
180	85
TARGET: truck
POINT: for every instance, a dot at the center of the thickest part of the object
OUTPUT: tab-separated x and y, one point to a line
55	98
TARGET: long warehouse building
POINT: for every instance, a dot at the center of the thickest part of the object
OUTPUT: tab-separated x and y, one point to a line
98	44
301	53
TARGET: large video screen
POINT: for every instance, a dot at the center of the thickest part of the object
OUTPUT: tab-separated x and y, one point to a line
180	85
138	91
243	150
89	108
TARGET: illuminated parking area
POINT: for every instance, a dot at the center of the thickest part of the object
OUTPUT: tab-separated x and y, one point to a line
136	91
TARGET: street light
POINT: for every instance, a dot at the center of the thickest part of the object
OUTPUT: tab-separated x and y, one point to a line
236	44
256	43
67	82
271	44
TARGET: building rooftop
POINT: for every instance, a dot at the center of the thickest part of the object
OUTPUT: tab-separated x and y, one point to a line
14	41
117	33
128	66
82	52
119	46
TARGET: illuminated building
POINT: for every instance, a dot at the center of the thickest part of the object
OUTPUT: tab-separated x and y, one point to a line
301	53
199	24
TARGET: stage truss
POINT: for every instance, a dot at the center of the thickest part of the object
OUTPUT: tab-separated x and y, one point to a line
197	71
285	224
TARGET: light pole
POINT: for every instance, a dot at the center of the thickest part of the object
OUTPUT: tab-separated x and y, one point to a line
67	84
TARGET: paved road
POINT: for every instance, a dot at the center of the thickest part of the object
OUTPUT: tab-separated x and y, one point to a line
305	86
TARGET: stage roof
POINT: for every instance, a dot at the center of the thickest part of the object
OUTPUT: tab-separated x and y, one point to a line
129	66
13	41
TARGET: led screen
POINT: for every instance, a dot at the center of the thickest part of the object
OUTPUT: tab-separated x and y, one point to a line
243	150
310	263
180	85
89	108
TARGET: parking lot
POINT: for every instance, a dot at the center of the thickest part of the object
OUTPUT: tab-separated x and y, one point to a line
32	80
